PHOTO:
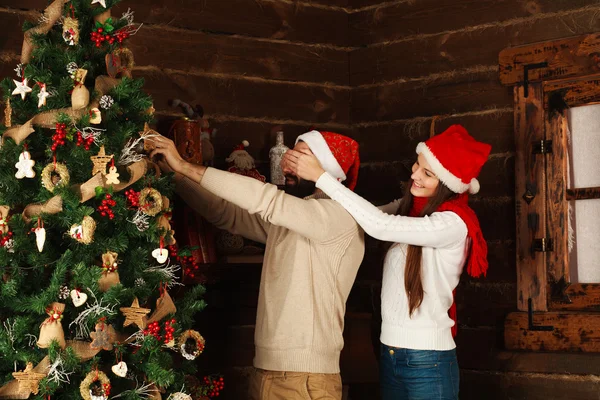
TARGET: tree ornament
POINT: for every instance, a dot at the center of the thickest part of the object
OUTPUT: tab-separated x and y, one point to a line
80	96
55	175
164	307
100	162
72	69
106	102
71	31
28	380
112	178
150	201
21	88
78	297
51	329
102	393
192	349
42	95
101	2
4	210
40	235
120	369
104	337
84	232
110	275
179	396
160	254
63	292
25	166
8	114
135	314
59	137
105	209
95	116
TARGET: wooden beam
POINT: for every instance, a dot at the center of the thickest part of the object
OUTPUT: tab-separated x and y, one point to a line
583	193
530	180
564	57
572	331
574	91
582	296
247	98
557	207
393	101
191	51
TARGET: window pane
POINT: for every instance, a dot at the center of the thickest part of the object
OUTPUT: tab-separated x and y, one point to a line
584	258
584	127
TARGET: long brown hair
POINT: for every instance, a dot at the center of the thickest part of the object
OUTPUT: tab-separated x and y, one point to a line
412	272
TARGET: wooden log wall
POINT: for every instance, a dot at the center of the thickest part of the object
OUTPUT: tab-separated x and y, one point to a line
389	73
419	67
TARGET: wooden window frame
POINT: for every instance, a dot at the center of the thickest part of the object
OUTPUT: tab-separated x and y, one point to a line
547	79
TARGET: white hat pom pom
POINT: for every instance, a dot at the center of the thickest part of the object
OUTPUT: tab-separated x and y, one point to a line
474	186
245	143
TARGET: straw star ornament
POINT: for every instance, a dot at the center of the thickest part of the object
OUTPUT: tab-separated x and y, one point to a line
100	161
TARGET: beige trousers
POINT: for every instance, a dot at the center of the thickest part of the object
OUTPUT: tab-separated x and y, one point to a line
279	385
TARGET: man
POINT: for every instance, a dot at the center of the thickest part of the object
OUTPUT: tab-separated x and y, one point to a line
313	251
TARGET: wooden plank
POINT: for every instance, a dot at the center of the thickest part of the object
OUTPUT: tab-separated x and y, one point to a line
572	331
399	20
239	97
583	297
358	362
502	386
565	57
501	260
583	193
475	92
575	92
12	22
557	208
456	51
531	223
219	54
481	303
271	19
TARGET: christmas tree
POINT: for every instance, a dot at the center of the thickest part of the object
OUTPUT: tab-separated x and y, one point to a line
89	269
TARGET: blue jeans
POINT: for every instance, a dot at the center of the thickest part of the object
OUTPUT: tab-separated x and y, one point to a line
406	374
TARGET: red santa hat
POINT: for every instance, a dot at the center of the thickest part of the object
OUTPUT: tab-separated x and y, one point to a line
456	158
338	154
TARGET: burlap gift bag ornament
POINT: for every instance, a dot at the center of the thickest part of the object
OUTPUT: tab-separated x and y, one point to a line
164	306
80	97
4	219
51	329
110	275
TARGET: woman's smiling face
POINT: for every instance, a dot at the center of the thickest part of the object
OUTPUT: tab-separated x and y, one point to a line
425	182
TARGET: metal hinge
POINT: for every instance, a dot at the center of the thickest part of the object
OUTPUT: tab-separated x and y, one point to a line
542	245
541	147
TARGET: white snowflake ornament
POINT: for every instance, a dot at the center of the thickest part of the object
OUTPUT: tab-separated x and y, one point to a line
25	166
21	88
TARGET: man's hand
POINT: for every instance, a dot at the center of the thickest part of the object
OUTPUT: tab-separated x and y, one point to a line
303	164
171	161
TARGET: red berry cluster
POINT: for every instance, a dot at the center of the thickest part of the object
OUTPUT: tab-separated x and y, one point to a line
100	37
86	143
213	386
106	389
106	207
58	139
153	329
190	267
169	330
4	238
133	198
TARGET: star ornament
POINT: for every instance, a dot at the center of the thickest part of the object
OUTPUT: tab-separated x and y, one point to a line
101	2
21	88
29	379
42	95
135	314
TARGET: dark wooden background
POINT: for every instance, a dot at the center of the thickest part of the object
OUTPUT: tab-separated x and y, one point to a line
389	74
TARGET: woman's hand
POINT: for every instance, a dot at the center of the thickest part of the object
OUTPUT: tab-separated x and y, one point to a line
170	161
302	164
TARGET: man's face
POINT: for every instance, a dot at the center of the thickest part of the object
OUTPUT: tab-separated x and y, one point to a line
294	185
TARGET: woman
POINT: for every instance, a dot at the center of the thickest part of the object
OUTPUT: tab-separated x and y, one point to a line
434	233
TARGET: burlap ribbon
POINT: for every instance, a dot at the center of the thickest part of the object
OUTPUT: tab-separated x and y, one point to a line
52	14
52	206
136	171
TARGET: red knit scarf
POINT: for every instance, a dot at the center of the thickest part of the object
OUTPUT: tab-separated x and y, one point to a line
477	263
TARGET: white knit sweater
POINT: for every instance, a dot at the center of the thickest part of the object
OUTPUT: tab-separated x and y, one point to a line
443	236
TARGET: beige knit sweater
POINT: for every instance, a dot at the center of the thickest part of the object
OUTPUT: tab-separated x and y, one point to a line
313	251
